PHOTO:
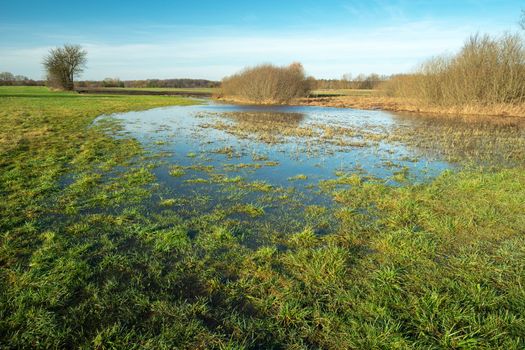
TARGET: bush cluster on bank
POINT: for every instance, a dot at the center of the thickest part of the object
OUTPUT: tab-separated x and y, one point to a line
268	84
486	71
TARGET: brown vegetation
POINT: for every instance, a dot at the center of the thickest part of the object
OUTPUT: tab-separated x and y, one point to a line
486	77
487	72
401	104
267	84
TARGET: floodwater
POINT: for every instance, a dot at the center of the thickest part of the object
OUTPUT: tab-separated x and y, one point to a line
254	162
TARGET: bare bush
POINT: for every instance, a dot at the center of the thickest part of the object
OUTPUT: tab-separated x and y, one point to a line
267	84
486	71
112	82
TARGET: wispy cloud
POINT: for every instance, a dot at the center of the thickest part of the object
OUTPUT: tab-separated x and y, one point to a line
213	54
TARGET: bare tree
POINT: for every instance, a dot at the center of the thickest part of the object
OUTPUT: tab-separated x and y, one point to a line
522	21
6	76
63	64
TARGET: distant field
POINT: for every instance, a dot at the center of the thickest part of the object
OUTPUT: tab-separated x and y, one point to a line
41	90
320	92
208	90
28	91
197	92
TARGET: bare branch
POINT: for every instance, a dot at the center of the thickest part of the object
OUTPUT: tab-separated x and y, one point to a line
63	64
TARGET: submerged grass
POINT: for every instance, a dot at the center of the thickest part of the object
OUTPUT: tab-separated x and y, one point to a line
482	141
85	263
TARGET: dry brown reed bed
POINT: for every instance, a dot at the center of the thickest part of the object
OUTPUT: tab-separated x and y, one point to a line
398	104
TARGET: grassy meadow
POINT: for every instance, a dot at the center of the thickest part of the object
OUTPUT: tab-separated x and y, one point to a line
86	263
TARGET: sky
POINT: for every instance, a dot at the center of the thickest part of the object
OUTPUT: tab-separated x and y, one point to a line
212	39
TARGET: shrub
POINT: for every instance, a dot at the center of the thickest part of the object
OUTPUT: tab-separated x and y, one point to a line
485	71
268	84
112	82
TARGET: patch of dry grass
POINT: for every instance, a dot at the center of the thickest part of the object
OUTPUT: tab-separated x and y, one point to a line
401	104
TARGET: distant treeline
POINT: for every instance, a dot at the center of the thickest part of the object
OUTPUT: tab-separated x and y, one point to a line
361	81
9	79
150	83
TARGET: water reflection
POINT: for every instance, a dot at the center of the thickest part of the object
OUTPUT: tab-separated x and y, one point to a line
264	164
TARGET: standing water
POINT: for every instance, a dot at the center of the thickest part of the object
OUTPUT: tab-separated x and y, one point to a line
277	164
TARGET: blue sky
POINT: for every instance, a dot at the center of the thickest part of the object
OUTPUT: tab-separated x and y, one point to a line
211	39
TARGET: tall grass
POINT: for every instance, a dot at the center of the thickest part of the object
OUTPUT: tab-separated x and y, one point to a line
486	71
267	84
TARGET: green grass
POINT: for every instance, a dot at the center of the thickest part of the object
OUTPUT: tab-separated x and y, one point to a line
85	263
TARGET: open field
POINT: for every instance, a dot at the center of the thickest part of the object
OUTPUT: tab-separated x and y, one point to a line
155	230
205	92
321	92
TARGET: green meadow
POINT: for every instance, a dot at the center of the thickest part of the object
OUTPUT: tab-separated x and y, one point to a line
86	263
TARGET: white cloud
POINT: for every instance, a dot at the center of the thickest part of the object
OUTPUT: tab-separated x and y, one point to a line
326	53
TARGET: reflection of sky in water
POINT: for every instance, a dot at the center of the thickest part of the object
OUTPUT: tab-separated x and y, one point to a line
191	136
177	130
179	133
